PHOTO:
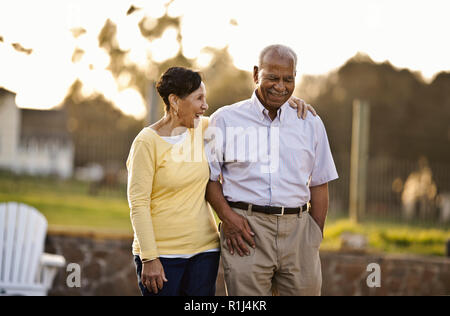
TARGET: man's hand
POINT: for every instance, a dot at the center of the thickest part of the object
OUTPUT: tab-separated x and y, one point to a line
236	230
301	106
153	276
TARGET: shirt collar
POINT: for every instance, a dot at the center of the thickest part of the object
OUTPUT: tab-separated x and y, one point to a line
262	112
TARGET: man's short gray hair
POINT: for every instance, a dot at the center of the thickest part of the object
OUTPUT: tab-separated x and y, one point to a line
282	50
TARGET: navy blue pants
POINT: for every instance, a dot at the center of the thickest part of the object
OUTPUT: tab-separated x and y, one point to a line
186	277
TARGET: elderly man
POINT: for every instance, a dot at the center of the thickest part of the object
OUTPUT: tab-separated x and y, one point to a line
267	183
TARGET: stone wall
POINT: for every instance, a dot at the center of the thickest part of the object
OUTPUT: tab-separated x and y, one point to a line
346	274
106	264
107	268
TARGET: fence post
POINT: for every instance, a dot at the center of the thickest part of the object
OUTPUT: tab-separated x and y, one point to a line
359	158
152	104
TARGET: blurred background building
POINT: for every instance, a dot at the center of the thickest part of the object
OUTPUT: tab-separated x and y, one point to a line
34	142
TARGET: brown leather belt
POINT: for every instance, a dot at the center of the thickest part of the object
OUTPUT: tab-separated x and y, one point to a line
272	210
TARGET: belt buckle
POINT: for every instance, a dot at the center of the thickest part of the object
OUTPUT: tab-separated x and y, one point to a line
282	212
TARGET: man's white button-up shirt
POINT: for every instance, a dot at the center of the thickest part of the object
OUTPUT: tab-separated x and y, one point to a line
265	162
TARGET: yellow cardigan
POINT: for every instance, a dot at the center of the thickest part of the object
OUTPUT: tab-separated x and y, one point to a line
166	195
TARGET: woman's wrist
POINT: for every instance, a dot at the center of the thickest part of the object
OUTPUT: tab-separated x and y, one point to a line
148	260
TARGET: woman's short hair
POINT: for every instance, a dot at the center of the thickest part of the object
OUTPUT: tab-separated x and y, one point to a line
179	81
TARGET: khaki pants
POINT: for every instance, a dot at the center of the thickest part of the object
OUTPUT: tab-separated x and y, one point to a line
286	259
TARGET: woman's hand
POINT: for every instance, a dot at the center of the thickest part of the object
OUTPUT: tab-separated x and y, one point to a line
301	106
153	276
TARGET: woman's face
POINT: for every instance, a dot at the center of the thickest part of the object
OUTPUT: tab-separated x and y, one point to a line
192	107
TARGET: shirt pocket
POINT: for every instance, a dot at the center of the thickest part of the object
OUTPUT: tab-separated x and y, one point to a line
298	160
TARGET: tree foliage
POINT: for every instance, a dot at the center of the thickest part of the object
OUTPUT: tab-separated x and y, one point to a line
101	133
409	118
225	83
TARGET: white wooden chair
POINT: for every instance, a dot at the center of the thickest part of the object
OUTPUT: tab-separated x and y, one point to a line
24	268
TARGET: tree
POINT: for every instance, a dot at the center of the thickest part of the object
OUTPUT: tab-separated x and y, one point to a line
101	133
409	118
225	83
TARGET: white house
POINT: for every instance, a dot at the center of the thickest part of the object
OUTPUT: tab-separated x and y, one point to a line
33	141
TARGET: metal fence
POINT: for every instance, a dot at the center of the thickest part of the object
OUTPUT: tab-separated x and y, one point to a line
397	190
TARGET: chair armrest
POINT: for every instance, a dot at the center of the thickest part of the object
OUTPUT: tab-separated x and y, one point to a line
49	260
49	265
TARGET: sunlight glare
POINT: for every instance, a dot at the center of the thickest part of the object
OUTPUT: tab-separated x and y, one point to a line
324	33
131	103
165	47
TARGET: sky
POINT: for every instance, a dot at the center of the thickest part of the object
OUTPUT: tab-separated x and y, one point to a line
325	34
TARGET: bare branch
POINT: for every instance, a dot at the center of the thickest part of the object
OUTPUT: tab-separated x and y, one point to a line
21	49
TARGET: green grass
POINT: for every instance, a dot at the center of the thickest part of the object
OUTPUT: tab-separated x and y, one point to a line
67	204
68	207
388	237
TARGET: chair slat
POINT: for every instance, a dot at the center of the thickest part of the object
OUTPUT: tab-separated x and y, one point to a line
11	213
38	245
28	247
18	266
2	239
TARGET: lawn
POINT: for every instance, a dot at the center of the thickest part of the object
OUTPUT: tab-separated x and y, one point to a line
389	237
68	207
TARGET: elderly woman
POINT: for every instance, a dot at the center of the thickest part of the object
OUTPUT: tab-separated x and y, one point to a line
176	242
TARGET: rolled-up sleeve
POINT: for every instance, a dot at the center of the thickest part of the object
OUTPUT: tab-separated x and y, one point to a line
324	169
214	145
140	166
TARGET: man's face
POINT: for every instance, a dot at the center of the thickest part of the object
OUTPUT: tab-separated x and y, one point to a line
276	79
